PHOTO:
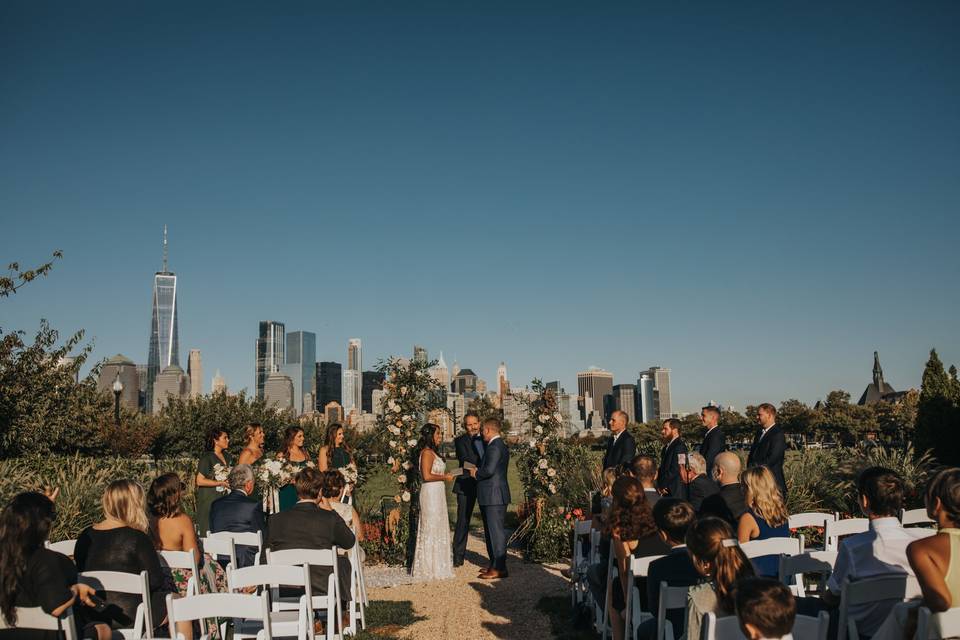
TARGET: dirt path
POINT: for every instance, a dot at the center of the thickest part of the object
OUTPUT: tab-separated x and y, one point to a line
468	608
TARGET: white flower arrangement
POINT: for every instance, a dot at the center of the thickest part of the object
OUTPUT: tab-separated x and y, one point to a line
407	465
350	473
552	488
543	464
405	496
390	460
551	472
538	429
402	478
412	442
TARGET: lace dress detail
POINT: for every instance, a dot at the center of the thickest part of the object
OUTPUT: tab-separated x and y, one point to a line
433	556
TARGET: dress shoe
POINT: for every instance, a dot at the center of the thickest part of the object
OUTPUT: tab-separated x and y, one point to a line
458	563
494	575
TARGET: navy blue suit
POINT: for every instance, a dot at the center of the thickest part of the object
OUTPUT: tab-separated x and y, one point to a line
493	494
465	486
238	513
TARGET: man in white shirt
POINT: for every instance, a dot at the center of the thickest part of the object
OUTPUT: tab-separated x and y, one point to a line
880	551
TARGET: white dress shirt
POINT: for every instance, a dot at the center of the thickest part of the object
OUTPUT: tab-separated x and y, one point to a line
880	551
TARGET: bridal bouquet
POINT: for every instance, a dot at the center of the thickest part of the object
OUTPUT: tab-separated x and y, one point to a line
277	473
350	473
221	473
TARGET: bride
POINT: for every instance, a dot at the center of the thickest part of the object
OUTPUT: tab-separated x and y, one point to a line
433	556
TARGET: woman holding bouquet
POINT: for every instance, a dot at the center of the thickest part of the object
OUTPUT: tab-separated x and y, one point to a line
253	438
334	454
208	487
293	453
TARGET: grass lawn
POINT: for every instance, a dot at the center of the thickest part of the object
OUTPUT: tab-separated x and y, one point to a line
381	485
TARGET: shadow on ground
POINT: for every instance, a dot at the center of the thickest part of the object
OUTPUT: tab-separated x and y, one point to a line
387	619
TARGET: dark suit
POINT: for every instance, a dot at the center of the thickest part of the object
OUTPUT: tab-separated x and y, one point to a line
668	476
677	570
620	450
493	494
713	443
465	487
768	450
700	489
238	513
307	526
652	496
726	504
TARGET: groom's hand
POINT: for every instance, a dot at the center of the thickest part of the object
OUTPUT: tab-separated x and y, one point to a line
473	472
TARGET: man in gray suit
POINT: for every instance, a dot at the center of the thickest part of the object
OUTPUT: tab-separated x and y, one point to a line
493	495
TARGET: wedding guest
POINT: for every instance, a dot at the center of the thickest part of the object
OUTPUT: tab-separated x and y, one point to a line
469	447
769	446
633	534
880	551
601	500
331	497
306	526
699	487
669	482
728	503
936	560
334	454
208	487
765	517
622	446
32	576
600	504
120	542
172	530
714	441
644	469
717	557
253	438
238	512
765	609
674	518
293	452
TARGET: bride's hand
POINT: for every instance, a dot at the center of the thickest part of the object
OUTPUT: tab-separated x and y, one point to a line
448	477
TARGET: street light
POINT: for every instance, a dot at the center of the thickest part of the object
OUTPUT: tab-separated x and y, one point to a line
117	390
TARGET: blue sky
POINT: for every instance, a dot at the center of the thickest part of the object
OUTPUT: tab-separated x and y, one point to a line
757	196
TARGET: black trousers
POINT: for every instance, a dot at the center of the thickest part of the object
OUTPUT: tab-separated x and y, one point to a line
497	538
465	504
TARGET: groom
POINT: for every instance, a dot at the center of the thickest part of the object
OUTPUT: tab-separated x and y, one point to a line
493	494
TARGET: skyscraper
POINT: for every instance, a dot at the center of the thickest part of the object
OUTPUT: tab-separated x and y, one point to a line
440	373
625	399
270	351
124	368
645	400
329	384
420	354
164	347
598	385
219	385
371	380
301	367
352	380
195	371
662	406
172	382
354	354
503	385
278	391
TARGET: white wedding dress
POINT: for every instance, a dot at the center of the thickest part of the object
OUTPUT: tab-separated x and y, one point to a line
433	556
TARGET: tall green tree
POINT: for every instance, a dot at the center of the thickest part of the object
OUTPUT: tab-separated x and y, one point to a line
938	414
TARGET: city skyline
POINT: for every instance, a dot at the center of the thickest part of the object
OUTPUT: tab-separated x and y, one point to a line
764	195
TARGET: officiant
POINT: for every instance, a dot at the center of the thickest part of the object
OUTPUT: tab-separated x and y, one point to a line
469	446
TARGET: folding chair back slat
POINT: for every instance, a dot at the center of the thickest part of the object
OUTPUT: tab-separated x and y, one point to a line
221	546
840	528
728	627
634	613
133	583
945	624
914	516
36	619
771	547
670	598
66	547
867	590
218	605
821	562
810	519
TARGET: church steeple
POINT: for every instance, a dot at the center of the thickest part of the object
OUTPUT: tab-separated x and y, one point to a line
877	372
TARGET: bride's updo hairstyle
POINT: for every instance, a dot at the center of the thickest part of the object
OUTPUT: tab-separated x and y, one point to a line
426	437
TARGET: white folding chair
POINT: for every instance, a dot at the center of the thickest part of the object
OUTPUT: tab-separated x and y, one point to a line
357	604
635	615
945	624
603	612
670	598
914	516
36	619
183	560
133	583
579	563
891	587
66	547
220	546
282	623
728	627
838	528
218	605
811	519
330	602
594	546
245	538
795	566
771	547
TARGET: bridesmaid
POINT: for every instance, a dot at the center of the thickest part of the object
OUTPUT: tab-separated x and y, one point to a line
293	452
334	454
208	488
253	438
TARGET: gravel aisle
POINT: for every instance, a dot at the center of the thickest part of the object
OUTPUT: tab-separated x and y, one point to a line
466	607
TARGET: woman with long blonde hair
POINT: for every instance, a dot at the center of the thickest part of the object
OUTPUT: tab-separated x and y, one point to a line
766	515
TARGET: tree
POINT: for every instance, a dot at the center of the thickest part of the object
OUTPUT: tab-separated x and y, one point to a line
483	407
796	417
938	414
896	420
16	279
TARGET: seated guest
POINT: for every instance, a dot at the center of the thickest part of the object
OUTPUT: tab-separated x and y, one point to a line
306	526
644	469
172	530
34	576
633	534
728	503
936	560
601	500
718	558
765	608
600	510
880	551
765	517
237	512
120	543
674	518
699	486
331	497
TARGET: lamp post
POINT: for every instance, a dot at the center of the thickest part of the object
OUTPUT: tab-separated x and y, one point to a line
117	390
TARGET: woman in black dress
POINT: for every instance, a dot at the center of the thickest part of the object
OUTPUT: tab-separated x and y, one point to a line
208	487
32	576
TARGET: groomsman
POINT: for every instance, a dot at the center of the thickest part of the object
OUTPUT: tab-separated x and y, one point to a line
713	441
469	448
669	481
622	447
769	445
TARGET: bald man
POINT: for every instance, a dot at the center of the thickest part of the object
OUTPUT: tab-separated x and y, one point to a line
728	503
622	447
